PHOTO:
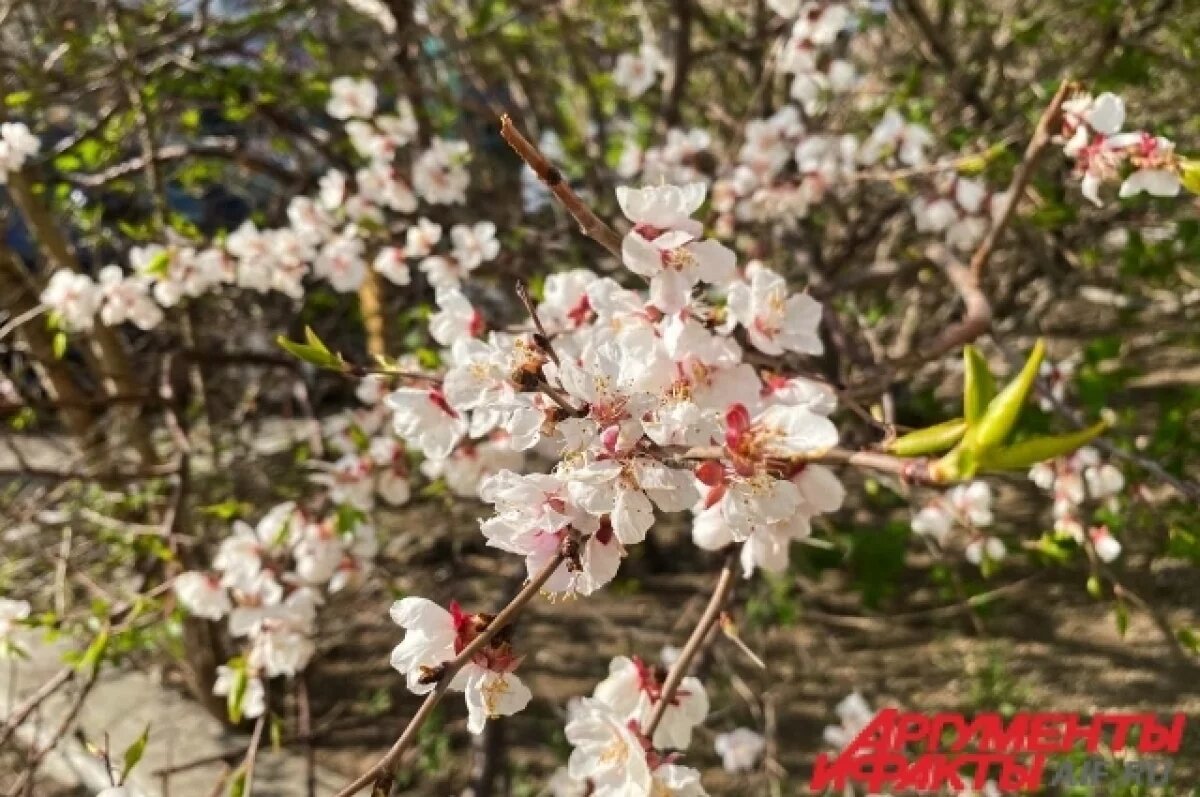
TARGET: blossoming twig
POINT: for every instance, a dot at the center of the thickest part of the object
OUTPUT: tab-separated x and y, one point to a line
1016	188
912	471
385	765
590	224
712	613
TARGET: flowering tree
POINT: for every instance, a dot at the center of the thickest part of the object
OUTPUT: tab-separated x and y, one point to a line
749	273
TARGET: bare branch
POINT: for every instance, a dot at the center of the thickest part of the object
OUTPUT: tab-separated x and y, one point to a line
590	224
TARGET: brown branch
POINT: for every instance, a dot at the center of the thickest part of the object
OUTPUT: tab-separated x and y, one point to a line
967	279
252	756
712	613
18	295
40	752
1016	188
22	712
683	62
382	769
912	471
304	709
589	223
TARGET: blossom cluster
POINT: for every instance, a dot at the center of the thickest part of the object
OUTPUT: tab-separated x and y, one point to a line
613	754
1103	152
636	73
620	381
616	387
269	581
959	517
117	298
372	463
809	52
1073	481
960	208
783	168
336	236
17	145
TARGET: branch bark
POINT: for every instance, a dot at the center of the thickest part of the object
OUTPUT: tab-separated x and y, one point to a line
712	613
589	223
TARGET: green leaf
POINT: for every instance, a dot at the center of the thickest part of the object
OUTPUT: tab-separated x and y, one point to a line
1189	639
979	387
314	351
1002	413
315	341
428	358
133	753
1190	175
227	510
159	265
95	652
1030	452
237	694
960	463
930	440
190	118
276	731
237	785
18	98
59	344
1122	618
1093	587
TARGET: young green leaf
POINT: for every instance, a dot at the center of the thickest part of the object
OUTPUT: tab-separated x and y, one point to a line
1122	618
320	357
237	784
95	652
979	387
1030	452
276	731
1190	175
133	753
237	695
960	463
1002	413
930	440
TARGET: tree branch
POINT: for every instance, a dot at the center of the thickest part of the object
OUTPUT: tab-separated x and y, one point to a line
383	768
589	223
712	613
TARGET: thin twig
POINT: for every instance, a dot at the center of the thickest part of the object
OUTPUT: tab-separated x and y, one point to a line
912	471
712	613
589	223
39	754
1016	188
19	714
304	709
252	756
542	339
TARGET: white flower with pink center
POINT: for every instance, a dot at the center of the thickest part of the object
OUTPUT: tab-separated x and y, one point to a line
435	636
633	690
774	321
202	594
424	419
350	98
